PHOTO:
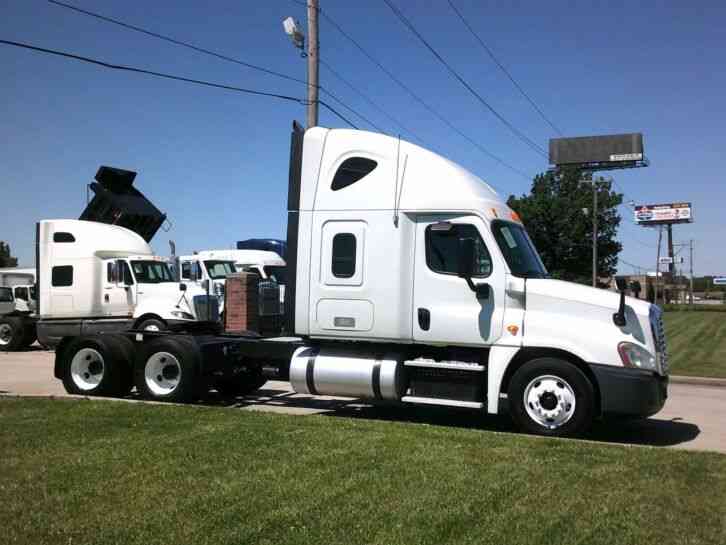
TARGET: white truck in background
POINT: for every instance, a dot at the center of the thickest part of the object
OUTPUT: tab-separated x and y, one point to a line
214	265
17	320
409	280
95	277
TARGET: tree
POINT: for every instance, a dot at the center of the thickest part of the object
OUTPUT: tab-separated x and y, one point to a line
6	260
558	216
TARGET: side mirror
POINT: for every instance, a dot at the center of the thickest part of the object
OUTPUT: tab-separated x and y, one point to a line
182	287
621	283
465	267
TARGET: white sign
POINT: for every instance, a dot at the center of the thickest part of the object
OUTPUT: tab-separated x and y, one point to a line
627	157
719	281
665	260
654	214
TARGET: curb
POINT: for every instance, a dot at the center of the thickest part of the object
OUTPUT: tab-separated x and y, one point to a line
698	381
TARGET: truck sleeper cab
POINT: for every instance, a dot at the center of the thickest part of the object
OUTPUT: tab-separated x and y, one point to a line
409	279
95	277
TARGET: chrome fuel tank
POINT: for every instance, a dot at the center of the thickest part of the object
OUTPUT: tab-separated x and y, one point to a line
344	373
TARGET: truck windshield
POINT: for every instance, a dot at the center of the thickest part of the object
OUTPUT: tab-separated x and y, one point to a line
219	269
518	250
151	272
277	273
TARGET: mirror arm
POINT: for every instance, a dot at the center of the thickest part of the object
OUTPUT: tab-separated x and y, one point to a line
619	316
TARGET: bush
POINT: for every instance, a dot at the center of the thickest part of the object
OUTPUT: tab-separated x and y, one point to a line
695	307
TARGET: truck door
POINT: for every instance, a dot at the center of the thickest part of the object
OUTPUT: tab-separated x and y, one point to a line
446	310
117	299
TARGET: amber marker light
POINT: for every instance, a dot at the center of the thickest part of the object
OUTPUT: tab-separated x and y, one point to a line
513	329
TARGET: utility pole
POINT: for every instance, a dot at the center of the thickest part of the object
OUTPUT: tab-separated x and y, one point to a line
690	295
657	264
313	62
594	234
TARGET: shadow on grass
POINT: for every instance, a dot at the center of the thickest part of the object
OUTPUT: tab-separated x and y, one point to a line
652	431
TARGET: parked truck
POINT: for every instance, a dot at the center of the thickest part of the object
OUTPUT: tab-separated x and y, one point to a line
409	280
17	320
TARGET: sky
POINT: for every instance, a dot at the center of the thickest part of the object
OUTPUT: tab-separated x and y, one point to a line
217	161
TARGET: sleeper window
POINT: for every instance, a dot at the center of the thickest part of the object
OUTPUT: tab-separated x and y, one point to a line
63	237
352	170
344	248
62	276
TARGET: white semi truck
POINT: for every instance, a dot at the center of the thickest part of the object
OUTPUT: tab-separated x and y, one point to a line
211	267
17	320
22	282
409	280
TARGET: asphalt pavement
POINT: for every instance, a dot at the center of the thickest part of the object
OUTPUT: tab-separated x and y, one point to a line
694	416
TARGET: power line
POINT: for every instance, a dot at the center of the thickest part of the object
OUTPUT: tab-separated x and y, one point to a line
416	97
209	52
503	69
524	138
368	99
171	76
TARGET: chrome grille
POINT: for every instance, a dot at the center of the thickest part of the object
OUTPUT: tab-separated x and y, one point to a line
656	326
269	298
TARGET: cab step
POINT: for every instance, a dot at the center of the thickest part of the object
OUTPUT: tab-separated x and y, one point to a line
443	402
433	364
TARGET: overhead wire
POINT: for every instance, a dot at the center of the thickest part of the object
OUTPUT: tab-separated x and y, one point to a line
503	68
211	53
164	75
519	134
415	96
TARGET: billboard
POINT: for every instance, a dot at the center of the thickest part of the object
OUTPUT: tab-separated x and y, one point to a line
661	214
612	149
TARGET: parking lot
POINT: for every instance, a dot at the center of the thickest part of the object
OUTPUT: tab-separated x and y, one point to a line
692	418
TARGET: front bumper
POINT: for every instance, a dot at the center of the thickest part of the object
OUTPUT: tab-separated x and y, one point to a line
630	392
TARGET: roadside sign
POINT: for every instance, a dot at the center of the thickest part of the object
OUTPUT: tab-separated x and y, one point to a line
719	281
659	214
665	260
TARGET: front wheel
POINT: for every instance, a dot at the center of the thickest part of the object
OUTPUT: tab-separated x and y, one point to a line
12	334
548	396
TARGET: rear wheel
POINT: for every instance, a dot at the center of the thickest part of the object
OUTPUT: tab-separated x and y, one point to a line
167	370
548	396
11	333
91	366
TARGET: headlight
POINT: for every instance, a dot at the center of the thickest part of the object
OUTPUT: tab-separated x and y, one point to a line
636	356
182	314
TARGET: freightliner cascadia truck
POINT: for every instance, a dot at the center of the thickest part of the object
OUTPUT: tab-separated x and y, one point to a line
410	280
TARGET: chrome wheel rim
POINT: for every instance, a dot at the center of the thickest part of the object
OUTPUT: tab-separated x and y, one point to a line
549	401
87	369
6	334
162	373
152	327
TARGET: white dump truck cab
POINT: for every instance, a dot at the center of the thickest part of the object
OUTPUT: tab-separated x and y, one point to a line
98	277
393	245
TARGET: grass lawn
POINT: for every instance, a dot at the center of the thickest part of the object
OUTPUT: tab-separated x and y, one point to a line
697	343
114	472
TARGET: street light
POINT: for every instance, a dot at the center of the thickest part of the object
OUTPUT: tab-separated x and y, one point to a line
292	29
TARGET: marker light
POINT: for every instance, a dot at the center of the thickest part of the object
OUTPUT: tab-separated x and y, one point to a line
515	216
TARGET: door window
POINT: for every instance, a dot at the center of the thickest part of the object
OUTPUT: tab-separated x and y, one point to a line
62	276
442	250
21	293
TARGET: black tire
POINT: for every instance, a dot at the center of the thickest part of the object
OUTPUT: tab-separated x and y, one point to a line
167	369
12	333
30	335
92	366
123	348
241	384
152	324
549	385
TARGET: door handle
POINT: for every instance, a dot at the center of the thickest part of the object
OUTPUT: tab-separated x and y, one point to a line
424	319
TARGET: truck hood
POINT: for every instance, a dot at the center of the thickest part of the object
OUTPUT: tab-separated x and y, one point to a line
585	295
579	319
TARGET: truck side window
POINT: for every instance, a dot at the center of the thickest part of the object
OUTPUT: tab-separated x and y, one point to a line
352	170
442	250
21	293
344	247
6	295
63	237
62	276
186	267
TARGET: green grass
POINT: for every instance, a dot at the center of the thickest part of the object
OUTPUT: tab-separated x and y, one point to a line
113	472
696	343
